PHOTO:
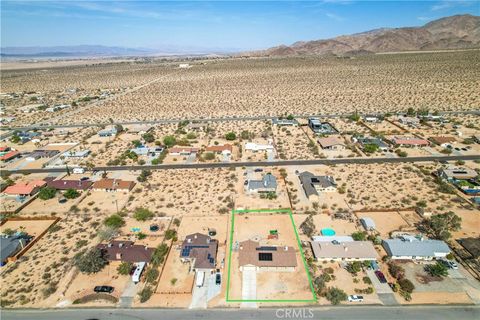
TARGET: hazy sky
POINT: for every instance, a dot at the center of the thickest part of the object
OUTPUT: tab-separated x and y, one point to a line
213	24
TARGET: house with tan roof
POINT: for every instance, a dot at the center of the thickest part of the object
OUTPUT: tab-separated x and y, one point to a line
183	151
223	149
443	141
24	189
410	142
343	251
331	143
252	256
113	185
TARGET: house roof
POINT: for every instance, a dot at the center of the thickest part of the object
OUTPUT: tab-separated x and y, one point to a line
43	153
375	141
309	181
201	248
70	184
227	147
183	149
348	250
442	140
417	248
268	182
4	148
459	173
24	188
332	238
9	246
9	155
410	141
330	142
250	251
113	184
126	251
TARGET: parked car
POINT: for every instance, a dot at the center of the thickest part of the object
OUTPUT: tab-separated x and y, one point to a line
103	289
355	298
245	183
381	276
62	200
258	170
218	279
449	264
84	178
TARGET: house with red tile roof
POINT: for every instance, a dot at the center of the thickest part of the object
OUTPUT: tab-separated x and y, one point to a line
9	156
24	189
70	184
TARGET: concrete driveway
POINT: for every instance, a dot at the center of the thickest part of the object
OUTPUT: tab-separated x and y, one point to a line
129	292
200	294
249	287
385	293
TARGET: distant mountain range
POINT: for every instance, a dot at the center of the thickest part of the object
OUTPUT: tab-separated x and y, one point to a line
455	32
71	51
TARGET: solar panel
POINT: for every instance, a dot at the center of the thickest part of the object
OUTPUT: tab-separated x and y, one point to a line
266	248
265	256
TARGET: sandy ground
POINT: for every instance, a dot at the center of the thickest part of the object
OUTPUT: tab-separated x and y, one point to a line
31	227
266	86
386	222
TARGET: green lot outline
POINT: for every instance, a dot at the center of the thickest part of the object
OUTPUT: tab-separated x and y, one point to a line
232	225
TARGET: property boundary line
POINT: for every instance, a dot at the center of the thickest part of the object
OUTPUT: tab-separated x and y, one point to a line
280	210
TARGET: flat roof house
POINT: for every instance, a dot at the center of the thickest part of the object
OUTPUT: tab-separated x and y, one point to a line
113	185
320	127
24	189
344	251
375	141
410	248
267	184
284	122
109	131
200	250
126	251
410	142
313	185
40	154
331	143
254	147
457	173
183	151
252	256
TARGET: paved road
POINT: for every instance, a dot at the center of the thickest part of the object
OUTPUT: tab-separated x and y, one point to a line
263	163
220	119
330	312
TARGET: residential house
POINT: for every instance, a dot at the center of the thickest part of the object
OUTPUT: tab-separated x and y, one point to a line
332	238
267	184
183	151
70	184
200	250
23	189
252	256
409	121
41	154
410	142
147	151
382	146
113	185
443	141
320	127
196	126
225	149
254	147
126	251
343	251
313	185
77	154
9	155
109	131
331	143
411	248
284	122
11	245
457	173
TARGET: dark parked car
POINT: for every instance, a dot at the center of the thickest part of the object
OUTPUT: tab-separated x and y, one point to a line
258	170
381	276
218	279
62	200
104	289
84	178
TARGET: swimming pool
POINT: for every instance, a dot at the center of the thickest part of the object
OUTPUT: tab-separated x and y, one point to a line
328	232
